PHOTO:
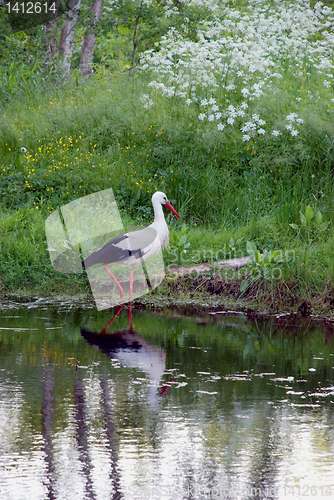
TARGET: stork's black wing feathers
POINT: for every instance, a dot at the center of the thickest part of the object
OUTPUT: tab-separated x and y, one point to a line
125	246
108	253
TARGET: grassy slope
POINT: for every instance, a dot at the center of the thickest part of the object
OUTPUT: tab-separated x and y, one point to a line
81	140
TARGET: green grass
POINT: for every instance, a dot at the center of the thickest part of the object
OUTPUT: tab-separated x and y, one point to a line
83	140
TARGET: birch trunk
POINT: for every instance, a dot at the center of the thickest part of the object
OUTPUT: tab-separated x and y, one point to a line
50	36
87	51
67	37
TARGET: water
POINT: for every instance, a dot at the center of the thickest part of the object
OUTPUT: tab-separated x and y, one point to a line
180	408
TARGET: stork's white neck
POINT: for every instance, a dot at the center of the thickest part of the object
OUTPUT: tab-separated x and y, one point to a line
160	224
158	213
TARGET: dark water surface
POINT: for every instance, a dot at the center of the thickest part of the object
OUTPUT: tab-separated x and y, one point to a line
176	409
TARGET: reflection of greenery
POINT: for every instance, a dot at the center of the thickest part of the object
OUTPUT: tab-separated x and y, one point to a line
223	347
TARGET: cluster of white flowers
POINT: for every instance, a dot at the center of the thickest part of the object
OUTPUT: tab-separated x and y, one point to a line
253	127
240	56
293	119
146	100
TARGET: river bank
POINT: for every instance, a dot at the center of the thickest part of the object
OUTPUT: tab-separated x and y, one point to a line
199	290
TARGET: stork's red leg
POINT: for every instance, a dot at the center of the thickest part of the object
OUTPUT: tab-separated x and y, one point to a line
108	324
115	280
131	281
130	305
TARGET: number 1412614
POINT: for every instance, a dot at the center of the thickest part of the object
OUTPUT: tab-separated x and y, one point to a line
308	491
31	8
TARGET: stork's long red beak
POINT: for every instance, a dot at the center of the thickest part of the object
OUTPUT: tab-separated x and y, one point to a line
172	209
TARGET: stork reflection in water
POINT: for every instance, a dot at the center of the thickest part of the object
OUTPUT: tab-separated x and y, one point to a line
134	351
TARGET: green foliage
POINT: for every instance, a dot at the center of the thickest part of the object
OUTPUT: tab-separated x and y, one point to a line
234	244
128	27
264	265
80	140
178	243
311	221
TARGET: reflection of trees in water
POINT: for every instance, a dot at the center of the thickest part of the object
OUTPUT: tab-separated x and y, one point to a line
232	438
48	412
264	467
111	431
82	435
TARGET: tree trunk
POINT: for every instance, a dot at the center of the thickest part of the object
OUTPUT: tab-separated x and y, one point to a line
50	36
134	39
87	51
67	37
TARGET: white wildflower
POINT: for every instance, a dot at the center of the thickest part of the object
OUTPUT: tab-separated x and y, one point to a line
232	111
245	137
291	117
261	131
211	118
201	116
230	121
276	133
248	126
220	126
147	102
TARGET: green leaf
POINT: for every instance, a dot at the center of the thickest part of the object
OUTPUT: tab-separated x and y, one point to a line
173	239
323	226
266	256
231	243
276	256
303	219
294	226
308	214
182	240
239	240
244	285
251	248
257	256
318	218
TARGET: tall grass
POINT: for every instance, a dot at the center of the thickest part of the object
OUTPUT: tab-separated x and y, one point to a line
81	140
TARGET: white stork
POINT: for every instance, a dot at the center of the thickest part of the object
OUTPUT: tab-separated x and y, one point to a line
131	249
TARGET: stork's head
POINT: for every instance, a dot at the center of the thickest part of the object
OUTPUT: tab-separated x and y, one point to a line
160	197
